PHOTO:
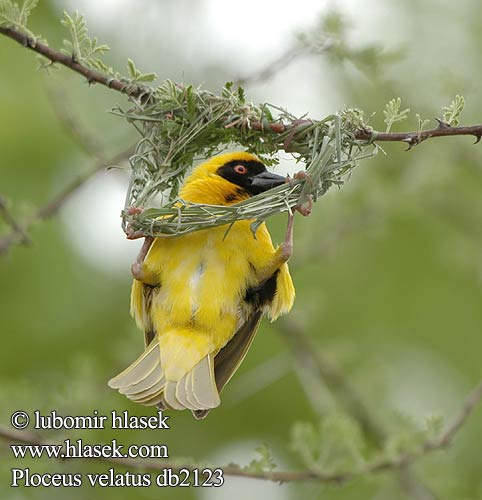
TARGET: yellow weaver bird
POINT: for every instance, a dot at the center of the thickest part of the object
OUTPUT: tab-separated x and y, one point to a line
199	297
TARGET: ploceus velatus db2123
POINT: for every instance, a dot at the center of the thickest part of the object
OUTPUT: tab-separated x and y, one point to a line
199	297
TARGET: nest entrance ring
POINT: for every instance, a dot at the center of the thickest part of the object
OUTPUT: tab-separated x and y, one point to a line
178	124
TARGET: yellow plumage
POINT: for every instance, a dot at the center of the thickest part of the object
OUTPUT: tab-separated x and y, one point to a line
199	291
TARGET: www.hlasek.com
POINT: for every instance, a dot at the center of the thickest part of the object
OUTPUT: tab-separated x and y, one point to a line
113	452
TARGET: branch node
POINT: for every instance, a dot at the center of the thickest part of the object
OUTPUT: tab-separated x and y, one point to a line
442	124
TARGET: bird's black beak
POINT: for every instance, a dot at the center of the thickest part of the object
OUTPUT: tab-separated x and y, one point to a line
264	181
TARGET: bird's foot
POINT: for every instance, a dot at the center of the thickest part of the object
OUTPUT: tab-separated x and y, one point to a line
287	245
305	208
131	233
135	210
137	267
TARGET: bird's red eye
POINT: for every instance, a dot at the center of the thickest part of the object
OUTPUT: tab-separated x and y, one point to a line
240	169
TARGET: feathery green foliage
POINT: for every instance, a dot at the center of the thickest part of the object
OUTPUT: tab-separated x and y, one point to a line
344	452
421	122
264	462
136	76
16	15
393	113
81	47
452	112
335	445
329	36
181	123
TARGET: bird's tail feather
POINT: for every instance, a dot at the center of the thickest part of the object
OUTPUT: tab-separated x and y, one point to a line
144	382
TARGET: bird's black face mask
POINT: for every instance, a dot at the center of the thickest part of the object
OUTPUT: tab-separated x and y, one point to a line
251	176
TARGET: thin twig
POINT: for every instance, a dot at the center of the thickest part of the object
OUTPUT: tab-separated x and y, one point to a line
365	134
55	56
70	123
8	217
414	138
274	66
51	207
308	358
311	365
444	440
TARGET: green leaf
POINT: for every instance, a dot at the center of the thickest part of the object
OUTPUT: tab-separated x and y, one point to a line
84	49
264	463
452	112
305	441
26	10
135	76
11	14
335	446
421	122
434	425
78	33
131	69
241	95
393	113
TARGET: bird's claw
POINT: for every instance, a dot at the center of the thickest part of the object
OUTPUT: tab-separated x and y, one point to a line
302	174
132	210
305	208
131	233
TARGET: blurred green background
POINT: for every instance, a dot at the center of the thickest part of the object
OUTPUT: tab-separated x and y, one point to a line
388	269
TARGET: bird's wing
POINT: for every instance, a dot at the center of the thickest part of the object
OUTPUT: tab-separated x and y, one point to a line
229	358
144	382
141	300
232	354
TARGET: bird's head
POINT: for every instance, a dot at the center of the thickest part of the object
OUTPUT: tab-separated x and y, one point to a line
227	179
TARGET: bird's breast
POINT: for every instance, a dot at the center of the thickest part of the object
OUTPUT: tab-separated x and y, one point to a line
203	277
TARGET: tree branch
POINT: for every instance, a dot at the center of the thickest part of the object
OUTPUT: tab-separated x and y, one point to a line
51	207
62	108
414	138
446	438
55	56
442	441
308	359
366	134
8	217
281	62
310	363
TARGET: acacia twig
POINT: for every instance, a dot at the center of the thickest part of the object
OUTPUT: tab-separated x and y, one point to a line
8	217
414	138
365	134
51	207
445	439
308	358
281	62
56	56
312	365
86	140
